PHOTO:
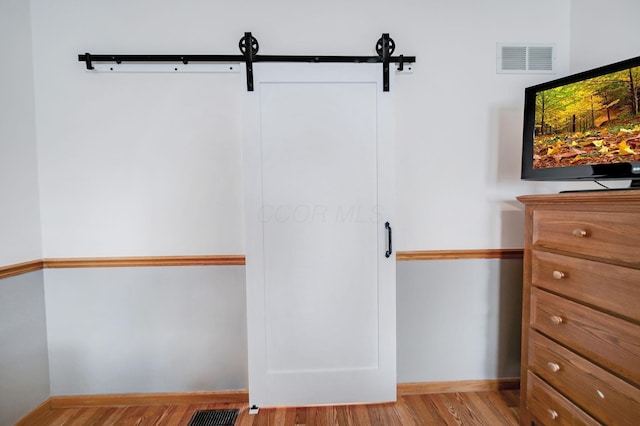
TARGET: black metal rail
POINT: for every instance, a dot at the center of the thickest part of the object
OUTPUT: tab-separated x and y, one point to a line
384	47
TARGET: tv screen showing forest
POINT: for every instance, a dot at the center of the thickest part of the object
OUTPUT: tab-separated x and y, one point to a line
593	121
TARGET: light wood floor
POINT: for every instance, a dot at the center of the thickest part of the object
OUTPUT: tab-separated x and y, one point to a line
470	408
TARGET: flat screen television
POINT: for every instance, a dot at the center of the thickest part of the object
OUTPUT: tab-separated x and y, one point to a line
585	126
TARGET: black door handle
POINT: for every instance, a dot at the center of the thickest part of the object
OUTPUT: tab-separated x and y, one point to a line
388	228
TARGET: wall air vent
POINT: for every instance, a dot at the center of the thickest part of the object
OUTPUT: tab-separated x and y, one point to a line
525	59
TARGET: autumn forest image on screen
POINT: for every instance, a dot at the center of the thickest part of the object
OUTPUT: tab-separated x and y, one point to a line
594	121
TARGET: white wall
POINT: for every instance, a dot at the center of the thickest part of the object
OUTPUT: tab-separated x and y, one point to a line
24	368
19	205
145	164
603	33
149	164
459	320
135	330
119	330
24	371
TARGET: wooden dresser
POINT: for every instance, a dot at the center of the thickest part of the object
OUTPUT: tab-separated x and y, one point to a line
581	309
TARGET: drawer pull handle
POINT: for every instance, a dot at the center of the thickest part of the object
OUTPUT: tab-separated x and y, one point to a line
558	275
556	319
552	413
553	367
579	233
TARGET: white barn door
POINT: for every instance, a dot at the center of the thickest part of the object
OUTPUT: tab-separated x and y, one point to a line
320	186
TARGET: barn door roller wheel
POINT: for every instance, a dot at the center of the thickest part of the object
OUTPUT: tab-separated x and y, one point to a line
253	43
391	45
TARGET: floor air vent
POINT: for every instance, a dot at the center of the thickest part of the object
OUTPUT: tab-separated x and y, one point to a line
214	418
525	59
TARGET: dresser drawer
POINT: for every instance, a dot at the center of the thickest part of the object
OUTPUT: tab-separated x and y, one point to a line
551	408
612	288
605	235
607	340
603	395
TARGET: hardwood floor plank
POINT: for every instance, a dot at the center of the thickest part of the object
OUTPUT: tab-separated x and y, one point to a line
468	408
332	415
360	414
404	412
81	416
172	416
506	403
289	417
134	416
344	416
278	417
181	416
268	416
114	419
446	411
469	412
105	416
262	418
422	410
244	418
511	397
150	418
327	415
62	417
53	418
301	416
311	417
383	414
487	412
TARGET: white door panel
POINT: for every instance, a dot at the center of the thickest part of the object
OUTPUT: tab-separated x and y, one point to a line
319	188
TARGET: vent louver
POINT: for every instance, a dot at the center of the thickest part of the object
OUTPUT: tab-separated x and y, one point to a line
529	59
